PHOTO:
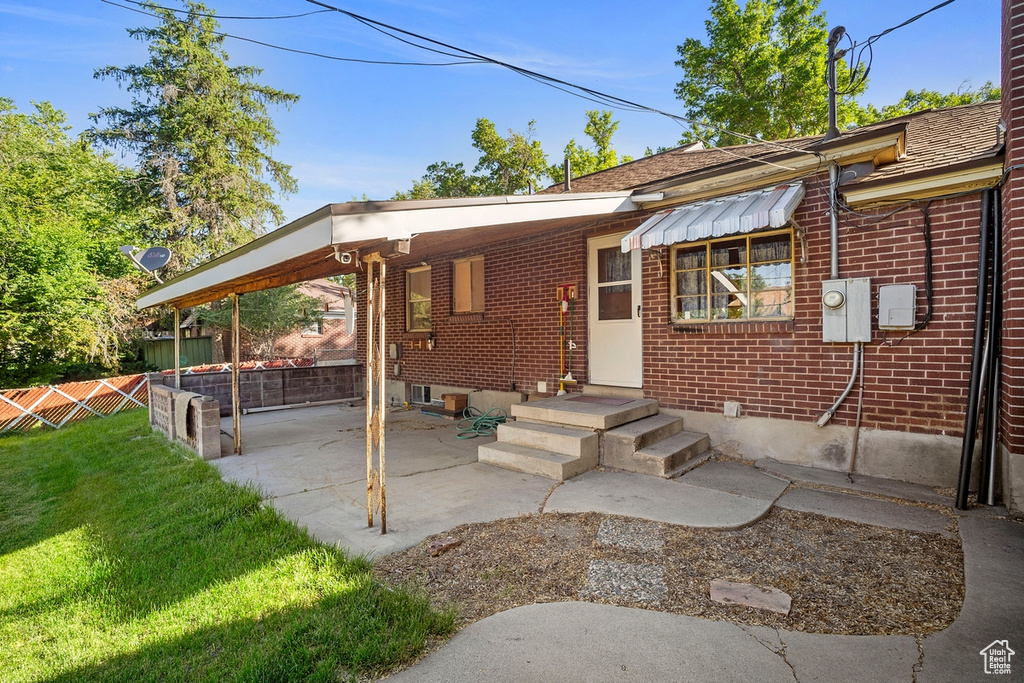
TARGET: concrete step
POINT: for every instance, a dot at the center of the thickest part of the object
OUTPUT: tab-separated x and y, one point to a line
668	457
601	390
618	445
577	443
555	466
562	410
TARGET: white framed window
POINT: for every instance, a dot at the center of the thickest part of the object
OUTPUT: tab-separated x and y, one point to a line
468	285
749	277
314	328
417	299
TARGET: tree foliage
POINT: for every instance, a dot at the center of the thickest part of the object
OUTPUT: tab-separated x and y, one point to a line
918	100
512	164
66	293
516	163
200	130
268	315
761	73
584	161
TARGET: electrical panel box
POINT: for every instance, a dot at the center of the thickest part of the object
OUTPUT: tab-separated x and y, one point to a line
395	351
897	307
846	310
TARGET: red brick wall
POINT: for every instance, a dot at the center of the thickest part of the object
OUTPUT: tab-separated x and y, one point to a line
299	345
1012	425
784	370
778	369
475	351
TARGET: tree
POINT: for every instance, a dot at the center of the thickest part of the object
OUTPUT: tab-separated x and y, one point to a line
268	315
583	161
446	180
200	130
917	100
512	165
66	292
762	73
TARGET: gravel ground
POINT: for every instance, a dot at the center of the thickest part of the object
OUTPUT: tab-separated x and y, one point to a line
843	577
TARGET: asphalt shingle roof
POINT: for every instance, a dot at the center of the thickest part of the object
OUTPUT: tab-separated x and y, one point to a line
936	138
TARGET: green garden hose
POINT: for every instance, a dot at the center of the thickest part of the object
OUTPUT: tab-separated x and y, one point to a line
477	424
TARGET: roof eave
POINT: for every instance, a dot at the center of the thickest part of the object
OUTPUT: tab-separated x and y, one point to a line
970	176
311	239
882	146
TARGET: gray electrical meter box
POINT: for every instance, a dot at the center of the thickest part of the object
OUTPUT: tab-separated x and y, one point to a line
897	307
846	310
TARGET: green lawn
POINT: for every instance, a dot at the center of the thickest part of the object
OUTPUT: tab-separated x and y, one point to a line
123	558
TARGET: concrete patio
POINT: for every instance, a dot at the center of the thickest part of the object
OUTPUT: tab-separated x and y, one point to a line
311	464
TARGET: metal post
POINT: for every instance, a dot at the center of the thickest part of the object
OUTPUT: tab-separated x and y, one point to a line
376	411
236	340
381	393
177	348
371	365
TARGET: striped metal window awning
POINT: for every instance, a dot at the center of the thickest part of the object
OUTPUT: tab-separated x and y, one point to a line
735	214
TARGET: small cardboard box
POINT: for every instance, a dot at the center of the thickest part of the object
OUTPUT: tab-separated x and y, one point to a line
455	401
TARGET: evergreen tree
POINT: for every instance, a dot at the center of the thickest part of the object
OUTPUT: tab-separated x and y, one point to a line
200	131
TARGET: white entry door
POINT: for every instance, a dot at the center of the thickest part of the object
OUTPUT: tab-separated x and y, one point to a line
613	314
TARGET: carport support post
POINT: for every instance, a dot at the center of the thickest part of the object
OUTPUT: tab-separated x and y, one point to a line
236	339
376	413
177	348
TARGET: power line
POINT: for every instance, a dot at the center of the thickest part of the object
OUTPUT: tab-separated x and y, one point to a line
855	61
223	16
466	57
576	90
293	50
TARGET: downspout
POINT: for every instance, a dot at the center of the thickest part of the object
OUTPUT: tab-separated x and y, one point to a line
974	389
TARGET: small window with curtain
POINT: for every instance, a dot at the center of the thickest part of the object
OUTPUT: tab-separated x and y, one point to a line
468	284
417	298
736	278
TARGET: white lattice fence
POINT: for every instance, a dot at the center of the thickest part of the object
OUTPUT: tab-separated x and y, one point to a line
56	406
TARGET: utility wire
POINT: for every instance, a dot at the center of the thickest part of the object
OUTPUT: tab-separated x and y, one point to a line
465	57
565	86
281	47
211	15
856	60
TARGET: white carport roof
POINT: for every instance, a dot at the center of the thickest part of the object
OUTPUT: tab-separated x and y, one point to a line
305	249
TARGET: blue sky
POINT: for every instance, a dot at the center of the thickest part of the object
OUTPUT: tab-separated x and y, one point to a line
373	129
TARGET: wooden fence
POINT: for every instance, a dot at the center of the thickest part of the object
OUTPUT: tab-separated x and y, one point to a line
56	406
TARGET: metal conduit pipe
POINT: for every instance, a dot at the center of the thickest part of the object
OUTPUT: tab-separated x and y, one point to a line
990	441
833	220
860	412
977	356
827	415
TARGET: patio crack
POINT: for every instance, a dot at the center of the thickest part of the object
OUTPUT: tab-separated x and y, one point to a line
295	493
780	650
919	664
543	503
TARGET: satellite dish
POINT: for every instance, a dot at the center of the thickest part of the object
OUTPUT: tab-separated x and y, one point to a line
154	258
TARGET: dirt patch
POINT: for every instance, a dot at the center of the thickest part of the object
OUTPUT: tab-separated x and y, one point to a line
843	577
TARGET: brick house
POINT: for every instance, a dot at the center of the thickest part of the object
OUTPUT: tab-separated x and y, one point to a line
715	283
330	341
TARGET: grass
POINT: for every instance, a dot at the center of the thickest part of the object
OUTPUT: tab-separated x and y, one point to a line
124	558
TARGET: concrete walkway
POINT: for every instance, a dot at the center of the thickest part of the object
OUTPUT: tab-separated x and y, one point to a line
311	465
